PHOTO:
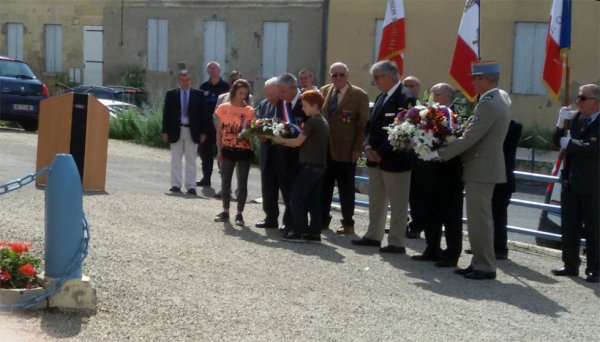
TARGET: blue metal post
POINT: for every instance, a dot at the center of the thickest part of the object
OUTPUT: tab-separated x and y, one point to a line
64	214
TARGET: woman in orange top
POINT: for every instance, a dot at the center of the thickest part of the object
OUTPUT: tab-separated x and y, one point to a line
232	151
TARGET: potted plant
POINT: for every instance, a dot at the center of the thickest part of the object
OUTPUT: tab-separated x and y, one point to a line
18	271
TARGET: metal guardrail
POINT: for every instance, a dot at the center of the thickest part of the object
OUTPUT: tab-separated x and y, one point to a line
550	208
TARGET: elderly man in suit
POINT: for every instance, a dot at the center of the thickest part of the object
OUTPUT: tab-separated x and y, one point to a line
580	183
270	175
291	111
389	171
436	198
184	126
480	147
346	109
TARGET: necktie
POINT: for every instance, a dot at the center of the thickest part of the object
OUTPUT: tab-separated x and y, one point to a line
586	120
379	103
184	106
288	106
333	102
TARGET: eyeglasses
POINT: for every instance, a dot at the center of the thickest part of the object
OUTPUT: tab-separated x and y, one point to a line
336	75
582	98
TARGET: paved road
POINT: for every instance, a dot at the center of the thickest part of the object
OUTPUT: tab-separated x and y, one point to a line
165	272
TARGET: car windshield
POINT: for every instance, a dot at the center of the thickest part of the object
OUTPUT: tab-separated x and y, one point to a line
10	68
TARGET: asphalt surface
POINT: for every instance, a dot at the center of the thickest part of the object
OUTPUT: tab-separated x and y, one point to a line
164	271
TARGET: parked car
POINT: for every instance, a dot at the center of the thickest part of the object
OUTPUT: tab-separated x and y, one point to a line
126	94
20	93
115	108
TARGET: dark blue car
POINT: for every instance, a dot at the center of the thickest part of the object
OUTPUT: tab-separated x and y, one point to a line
20	93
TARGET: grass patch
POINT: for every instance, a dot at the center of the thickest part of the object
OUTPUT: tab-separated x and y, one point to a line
537	138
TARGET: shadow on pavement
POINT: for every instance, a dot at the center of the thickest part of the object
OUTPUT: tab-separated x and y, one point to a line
272	239
444	282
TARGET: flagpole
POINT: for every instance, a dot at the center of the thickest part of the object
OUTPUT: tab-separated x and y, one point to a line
479	33
566	100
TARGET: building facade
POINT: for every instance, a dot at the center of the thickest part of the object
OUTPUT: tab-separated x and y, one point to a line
512	31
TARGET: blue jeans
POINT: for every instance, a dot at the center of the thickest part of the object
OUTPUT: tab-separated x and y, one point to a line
306	198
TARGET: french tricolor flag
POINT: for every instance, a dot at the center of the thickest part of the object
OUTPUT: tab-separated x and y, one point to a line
393	39
558	43
466	49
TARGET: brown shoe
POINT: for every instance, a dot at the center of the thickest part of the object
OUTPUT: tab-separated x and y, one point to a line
345	230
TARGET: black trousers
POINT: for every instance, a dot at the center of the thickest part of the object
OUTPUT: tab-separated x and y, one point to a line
305	199
341	173
579	218
438	193
288	168
500	202
271	180
206	150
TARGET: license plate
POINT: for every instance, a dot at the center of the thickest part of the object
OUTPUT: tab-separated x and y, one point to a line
23	107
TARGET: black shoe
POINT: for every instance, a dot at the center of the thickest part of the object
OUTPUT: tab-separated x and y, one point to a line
203	182
446	263
561	272
293	238
411	234
501	256
239	220
425	257
463	271
480	275
366	242
191	191
175	189
469	251
393	249
312	238
592	278
222	217
266	224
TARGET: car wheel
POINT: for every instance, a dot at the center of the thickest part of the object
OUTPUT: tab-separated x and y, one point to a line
29	125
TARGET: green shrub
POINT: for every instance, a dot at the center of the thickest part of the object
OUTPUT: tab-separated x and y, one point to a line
133	76
125	126
151	126
537	138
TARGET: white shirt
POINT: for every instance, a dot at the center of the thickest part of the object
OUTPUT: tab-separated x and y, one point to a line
390	92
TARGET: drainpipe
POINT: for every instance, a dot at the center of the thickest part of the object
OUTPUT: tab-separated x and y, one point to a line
325	23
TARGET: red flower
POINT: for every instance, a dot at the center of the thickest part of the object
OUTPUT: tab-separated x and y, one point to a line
4	275
27	270
19	247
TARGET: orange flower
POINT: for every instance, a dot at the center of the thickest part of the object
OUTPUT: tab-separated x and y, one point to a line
27	270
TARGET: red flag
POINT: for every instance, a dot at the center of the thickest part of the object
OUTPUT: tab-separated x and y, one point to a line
393	39
466	50
558	43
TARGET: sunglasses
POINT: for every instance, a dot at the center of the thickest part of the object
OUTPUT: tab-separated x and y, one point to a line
336	75
582	98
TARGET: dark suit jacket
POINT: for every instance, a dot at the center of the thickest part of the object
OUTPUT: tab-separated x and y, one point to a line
172	115
377	137
510	153
347	123
261	113
582	170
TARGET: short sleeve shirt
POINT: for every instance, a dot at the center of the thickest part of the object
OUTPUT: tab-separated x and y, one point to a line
233	119
314	149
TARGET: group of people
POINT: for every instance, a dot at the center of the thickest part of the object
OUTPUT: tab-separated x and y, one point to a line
337	127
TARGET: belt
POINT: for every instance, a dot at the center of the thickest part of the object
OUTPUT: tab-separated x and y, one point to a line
182	125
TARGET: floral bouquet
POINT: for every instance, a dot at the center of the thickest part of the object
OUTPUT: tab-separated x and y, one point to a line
260	127
286	130
17	267
424	129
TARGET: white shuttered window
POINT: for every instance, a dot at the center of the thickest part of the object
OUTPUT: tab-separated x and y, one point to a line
528	58
275	48
53	48
15	40
214	43
158	44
